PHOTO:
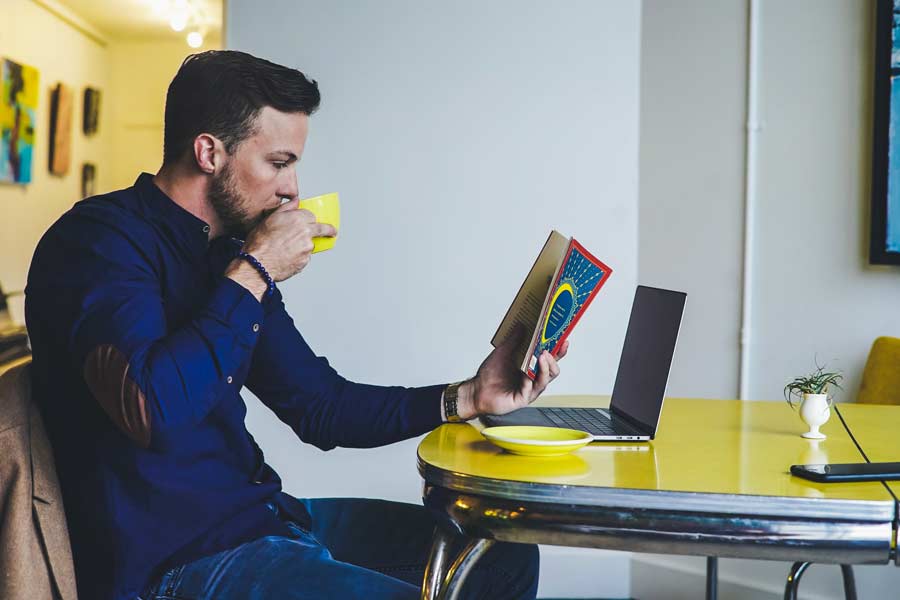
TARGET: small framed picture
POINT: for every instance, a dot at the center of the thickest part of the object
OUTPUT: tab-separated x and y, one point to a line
88	175
91	113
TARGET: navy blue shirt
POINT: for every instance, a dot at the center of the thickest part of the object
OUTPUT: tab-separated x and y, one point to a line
141	347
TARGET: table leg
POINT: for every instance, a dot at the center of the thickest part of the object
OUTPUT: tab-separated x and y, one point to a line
849	582
444	579
712	577
793	580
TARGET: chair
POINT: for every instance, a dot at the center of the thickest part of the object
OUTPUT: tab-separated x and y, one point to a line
35	554
881	377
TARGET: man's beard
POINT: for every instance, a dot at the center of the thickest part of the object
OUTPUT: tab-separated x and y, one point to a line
230	205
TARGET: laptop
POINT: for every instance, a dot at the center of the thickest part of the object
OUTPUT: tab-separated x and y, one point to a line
641	380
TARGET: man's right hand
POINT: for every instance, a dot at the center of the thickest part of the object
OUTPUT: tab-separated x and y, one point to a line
283	243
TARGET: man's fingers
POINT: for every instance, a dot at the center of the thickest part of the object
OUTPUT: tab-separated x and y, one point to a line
324	230
305	215
289	205
562	351
544	375
553	367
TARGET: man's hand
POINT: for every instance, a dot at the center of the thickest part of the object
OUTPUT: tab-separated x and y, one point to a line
283	243
500	387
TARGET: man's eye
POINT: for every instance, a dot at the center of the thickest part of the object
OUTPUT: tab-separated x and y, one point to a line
280	165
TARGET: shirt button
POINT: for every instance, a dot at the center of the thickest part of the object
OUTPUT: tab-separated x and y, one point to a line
206	229
255	327
229	379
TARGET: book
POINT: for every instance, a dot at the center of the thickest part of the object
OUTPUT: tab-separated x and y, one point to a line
560	286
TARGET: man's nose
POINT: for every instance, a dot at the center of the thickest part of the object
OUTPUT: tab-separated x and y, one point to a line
290	188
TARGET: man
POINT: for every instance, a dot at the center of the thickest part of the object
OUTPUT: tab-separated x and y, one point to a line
148	314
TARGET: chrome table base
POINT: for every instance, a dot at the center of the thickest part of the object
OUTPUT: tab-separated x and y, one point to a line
797	570
473	522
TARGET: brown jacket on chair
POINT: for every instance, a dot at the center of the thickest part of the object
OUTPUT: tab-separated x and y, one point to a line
35	555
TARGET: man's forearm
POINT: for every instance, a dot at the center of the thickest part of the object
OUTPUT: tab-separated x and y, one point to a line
243	273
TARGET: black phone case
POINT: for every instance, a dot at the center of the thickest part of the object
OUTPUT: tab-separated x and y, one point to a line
889	472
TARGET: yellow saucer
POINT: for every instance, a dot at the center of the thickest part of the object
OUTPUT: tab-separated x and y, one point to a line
537	441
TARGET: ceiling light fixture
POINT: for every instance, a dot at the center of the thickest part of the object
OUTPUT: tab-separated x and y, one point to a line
159	7
184	15
179	21
195	39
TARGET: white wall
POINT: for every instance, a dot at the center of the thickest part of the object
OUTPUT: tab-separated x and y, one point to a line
457	134
31	35
691	180
811	221
815	171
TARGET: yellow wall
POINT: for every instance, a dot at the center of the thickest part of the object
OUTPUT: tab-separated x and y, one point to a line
31	35
133	77
140	74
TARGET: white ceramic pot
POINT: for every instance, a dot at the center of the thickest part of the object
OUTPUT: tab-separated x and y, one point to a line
815	412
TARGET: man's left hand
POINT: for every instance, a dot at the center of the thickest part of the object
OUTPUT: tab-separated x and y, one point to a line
500	387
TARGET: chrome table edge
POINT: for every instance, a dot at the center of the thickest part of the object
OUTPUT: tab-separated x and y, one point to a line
672	530
709	502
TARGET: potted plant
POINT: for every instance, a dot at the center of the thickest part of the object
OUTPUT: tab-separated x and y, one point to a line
811	392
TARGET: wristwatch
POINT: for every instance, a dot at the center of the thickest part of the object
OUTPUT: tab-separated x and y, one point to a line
451	396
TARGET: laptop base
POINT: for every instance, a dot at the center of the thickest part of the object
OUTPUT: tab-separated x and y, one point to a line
595	421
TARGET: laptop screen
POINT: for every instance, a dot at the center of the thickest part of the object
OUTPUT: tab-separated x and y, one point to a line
647	355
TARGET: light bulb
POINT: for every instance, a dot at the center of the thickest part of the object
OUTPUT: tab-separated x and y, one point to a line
194	39
178	21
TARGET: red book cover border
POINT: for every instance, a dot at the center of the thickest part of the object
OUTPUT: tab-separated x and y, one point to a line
607	271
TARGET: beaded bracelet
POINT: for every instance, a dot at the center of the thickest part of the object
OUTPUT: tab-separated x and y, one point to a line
270	283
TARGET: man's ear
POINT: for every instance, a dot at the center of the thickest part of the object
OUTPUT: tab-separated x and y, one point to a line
207	151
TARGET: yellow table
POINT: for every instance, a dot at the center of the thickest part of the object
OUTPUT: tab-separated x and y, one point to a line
876	429
715	482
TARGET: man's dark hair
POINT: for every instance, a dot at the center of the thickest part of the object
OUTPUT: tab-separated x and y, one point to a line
221	92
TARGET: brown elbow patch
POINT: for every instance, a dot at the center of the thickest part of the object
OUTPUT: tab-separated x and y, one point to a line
106	373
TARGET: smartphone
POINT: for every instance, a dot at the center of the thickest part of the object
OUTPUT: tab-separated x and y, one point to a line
848	472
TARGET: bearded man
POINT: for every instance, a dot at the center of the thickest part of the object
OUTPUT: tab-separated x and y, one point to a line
150	308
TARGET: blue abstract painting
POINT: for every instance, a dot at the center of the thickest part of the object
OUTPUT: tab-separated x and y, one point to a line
885	222
892	218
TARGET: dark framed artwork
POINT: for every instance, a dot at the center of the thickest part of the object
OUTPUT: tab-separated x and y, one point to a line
91	112
885	221
88	175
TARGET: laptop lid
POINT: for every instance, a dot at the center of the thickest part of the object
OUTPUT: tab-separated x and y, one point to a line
647	356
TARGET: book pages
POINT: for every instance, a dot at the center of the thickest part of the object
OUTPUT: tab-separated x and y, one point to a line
525	309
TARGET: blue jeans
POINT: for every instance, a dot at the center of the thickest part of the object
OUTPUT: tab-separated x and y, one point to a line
370	549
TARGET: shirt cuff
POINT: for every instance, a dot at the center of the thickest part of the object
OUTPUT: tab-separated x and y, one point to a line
425	410
239	308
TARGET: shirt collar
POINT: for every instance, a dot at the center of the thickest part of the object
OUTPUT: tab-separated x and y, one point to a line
186	229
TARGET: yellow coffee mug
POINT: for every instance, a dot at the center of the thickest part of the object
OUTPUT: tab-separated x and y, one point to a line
327	209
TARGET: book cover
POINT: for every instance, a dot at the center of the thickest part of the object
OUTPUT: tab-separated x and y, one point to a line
576	283
562	282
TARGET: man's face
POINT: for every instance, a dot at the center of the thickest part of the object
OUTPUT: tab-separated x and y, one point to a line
260	173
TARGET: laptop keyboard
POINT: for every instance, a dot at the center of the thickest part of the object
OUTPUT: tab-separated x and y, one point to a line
583	420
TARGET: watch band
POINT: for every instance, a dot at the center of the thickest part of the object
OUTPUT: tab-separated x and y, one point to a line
451	397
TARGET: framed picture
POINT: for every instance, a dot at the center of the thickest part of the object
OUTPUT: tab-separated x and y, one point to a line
885	221
91	112
60	129
88	175
18	108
